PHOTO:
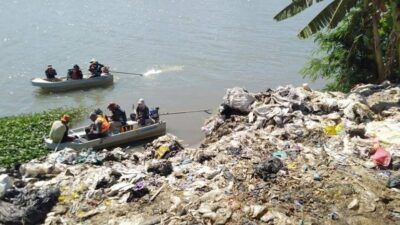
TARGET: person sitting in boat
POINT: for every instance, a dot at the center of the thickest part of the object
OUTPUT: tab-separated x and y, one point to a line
51	73
142	113
105	71
98	111
118	117
133	115
99	128
75	73
95	68
59	130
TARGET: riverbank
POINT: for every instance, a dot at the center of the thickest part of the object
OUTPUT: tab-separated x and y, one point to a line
283	156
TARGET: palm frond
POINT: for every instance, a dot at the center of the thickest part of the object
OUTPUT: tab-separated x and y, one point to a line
294	8
320	21
341	10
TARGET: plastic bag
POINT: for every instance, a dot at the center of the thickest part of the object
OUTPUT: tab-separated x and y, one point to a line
381	157
239	99
333	130
161	151
29	206
5	184
387	131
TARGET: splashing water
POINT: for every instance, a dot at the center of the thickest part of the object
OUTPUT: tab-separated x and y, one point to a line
152	72
165	69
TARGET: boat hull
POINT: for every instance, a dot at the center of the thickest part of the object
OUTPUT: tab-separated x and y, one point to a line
112	140
67	85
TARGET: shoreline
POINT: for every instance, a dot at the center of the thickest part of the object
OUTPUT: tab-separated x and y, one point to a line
282	156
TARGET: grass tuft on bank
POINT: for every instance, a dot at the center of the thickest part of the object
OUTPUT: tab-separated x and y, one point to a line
21	137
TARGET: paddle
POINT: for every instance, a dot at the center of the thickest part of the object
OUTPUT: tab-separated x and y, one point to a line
137	74
183	112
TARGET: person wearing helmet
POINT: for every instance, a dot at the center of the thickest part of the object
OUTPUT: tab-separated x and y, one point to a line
142	113
95	68
118	117
59	130
51	73
99	128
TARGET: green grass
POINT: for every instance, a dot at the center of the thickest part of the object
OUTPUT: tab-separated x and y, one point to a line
21	137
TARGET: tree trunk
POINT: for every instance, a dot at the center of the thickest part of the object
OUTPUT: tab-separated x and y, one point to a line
396	27
377	48
393	47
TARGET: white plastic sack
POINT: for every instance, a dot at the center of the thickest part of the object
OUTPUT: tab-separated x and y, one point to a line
5	184
239	99
387	131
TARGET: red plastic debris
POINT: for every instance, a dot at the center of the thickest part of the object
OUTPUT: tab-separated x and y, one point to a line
381	157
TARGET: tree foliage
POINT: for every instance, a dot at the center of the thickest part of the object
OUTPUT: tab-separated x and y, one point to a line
330	16
345	55
359	43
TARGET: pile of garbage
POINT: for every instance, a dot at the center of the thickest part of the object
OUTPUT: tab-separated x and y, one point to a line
285	156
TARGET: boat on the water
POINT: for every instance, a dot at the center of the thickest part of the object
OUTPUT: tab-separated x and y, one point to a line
112	140
64	84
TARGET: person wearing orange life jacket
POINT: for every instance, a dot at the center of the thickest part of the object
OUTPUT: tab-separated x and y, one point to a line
99	128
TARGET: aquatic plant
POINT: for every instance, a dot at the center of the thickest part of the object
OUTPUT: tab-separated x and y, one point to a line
21	137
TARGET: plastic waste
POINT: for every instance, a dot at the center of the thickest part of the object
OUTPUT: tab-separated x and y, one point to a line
239	99
317	177
210	126
255	211
268	169
333	130
161	151
215	182
280	154
28	206
396	163
387	131
334	216
394	182
138	191
164	168
5	184
353	204
291	165
381	157
38	169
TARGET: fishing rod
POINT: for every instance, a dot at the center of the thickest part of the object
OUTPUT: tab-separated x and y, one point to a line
183	112
137	74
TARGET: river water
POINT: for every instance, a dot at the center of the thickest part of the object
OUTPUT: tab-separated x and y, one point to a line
190	51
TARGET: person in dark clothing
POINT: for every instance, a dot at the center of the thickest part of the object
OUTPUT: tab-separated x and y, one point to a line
50	73
142	113
95	68
75	73
118	117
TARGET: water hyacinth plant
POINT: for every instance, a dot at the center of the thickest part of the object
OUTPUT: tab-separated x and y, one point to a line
21	137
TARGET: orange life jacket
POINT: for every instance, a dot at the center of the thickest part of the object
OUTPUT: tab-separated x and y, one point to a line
105	125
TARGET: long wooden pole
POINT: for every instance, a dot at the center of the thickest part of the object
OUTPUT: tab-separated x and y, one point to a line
137	74
183	112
